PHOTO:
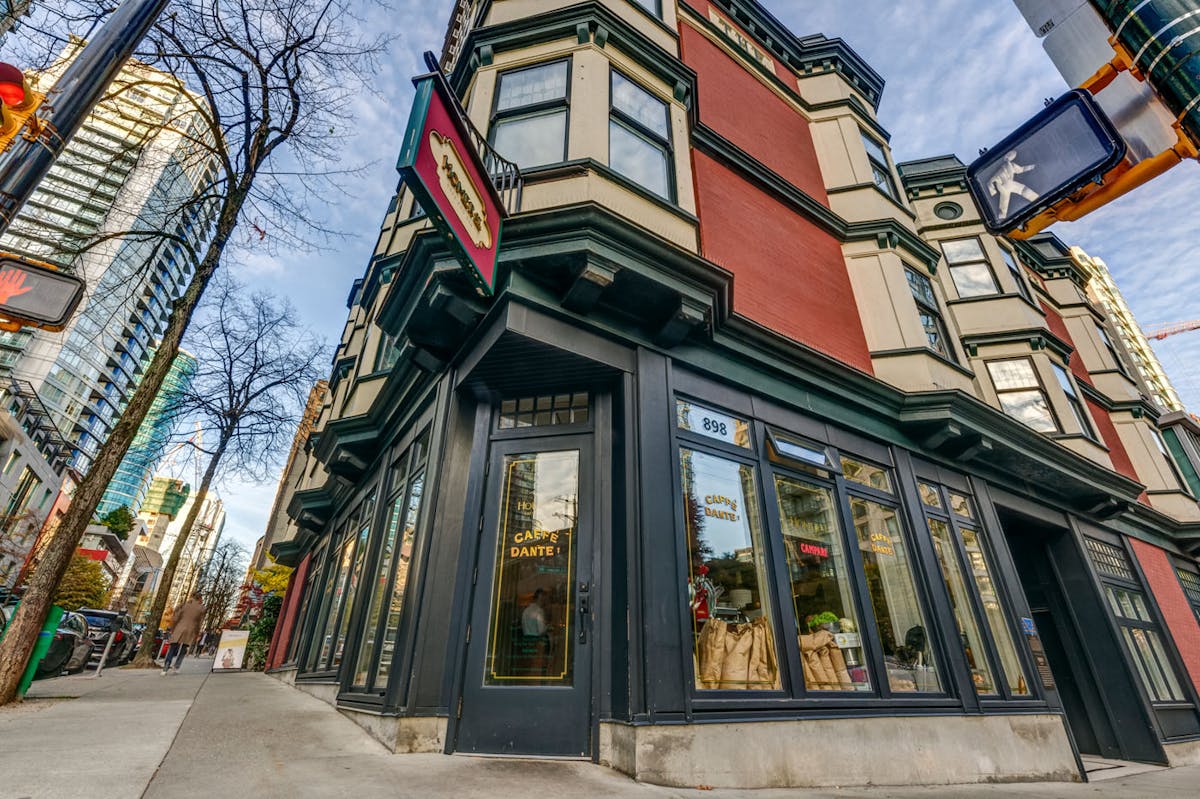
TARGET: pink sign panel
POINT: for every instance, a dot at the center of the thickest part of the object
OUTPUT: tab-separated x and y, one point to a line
442	167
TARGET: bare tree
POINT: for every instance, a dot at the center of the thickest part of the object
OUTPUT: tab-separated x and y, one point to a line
254	368
273	81
219	581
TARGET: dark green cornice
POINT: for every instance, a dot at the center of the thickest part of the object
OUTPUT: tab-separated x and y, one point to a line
939	174
1037	338
1051	258
807	55
581	22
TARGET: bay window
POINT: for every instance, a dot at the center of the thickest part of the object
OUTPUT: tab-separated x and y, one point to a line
1021	394
529	123
639	136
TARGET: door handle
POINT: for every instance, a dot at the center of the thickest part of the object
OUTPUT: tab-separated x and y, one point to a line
585	611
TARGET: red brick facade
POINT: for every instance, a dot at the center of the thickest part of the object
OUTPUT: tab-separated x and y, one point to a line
789	274
1176	611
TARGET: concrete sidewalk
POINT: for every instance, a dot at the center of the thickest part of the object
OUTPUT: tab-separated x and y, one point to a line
132	734
86	737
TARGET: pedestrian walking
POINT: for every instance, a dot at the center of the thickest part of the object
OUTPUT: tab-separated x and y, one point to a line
186	629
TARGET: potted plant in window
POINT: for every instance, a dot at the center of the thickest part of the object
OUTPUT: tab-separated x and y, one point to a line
823	621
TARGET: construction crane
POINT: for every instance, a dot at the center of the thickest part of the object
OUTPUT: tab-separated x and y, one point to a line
1160	332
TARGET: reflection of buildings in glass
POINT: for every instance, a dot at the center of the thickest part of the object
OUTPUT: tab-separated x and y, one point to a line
533	569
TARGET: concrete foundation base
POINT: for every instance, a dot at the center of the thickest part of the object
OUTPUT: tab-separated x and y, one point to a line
286	674
326	692
402	734
1186	753
822	753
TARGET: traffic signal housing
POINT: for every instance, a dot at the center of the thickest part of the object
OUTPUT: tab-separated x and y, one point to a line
17	103
35	294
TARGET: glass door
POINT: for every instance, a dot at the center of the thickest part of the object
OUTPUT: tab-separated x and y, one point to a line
528	671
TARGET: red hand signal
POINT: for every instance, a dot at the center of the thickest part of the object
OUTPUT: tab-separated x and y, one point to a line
12	284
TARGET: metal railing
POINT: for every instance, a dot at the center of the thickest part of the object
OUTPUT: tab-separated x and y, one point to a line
504	174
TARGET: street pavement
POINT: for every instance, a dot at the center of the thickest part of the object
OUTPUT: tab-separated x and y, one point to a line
196	734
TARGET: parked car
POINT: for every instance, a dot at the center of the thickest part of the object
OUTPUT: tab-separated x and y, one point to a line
70	649
103	622
139	630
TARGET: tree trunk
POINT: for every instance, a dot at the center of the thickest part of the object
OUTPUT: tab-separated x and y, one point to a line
146	653
27	622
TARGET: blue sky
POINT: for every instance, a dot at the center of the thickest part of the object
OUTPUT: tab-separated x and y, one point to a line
961	74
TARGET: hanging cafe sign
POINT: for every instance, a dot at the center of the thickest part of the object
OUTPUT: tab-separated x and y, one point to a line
440	162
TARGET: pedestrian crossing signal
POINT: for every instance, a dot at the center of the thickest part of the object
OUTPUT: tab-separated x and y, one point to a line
1067	145
33	294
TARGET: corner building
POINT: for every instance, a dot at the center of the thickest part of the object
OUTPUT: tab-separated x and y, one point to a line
764	466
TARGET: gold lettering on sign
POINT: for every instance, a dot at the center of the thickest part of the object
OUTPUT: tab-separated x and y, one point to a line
741	40
465	198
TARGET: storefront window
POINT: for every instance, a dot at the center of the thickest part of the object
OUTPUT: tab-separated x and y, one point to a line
404	548
903	631
1140	632
531	640
993	609
867	474
390	576
960	603
360	555
822	589
727	588
344	560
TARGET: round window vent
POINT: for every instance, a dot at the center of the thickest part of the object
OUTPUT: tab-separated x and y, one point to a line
948	210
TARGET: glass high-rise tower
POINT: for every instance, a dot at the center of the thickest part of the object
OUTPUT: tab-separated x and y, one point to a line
129	485
134	167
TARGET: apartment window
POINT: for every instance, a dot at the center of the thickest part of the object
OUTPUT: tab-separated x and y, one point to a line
653	6
1021	394
881	174
1112	349
388	353
929	313
1073	400
1162	449
969	268
13	457
19	499
1014	269
639	136
529	124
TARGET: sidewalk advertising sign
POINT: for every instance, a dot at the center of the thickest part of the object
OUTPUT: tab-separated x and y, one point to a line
441	166
231	651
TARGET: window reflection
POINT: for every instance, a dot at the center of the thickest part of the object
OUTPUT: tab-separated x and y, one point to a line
903	631
822	589
981	570
734	641
533	597
960	604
